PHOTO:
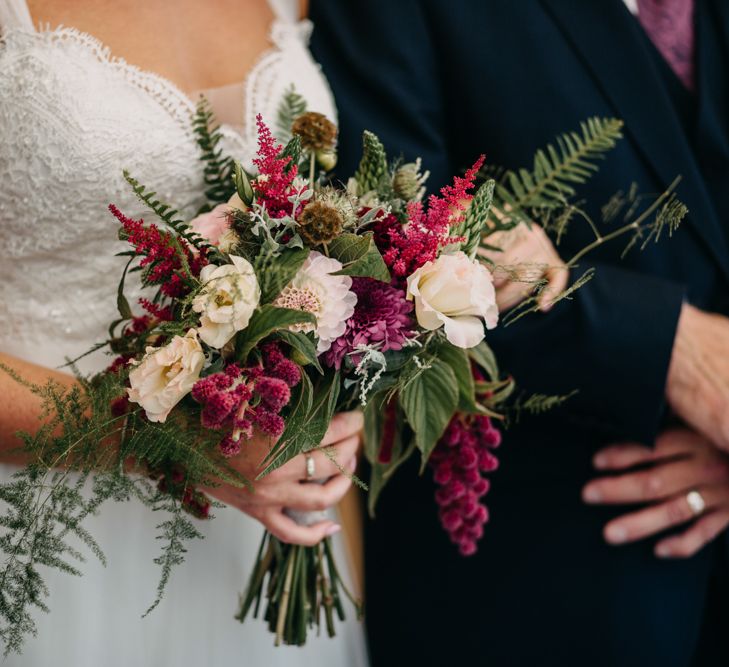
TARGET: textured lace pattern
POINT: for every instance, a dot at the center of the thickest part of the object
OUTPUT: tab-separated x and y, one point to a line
71	118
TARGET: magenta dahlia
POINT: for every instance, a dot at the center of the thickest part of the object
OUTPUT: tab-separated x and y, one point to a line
382	317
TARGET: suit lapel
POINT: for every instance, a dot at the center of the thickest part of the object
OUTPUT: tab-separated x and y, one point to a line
608	40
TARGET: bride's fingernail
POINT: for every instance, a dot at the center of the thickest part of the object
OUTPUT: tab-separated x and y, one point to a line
352	465
591	494
663	551
333	530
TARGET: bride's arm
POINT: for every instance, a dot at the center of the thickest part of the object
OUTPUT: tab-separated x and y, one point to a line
20	410
20	407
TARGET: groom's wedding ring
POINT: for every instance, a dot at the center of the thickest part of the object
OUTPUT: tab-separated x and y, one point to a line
310	466
696	502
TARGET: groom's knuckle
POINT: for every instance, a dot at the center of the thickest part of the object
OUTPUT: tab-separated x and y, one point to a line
677	511
650	485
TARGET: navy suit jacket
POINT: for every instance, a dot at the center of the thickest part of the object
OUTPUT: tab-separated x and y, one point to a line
447	81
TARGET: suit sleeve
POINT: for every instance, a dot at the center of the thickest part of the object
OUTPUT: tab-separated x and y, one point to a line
612	341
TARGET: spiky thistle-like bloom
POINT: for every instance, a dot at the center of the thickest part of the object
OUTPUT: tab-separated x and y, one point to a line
381	318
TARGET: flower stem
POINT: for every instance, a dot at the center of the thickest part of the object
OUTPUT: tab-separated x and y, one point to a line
312	165
281	620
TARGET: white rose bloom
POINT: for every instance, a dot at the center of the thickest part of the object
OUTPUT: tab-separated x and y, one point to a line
329	298
227	300
165	375
457	293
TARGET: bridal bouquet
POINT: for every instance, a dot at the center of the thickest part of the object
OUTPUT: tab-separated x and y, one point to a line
295	299
286	300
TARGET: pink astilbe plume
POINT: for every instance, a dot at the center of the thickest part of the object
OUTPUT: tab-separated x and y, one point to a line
273	185
405	248
162	313
160	254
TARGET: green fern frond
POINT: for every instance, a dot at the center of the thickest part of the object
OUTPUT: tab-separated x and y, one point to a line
218	170
47	503
373	165
175	532
167	214
557	169
291	107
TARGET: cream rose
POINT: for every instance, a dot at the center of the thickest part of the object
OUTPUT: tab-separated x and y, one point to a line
165	375
457	293
227	300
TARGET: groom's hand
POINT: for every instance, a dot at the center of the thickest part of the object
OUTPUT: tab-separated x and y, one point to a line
670	481
697	387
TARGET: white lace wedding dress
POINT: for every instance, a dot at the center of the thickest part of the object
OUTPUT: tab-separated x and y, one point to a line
71	118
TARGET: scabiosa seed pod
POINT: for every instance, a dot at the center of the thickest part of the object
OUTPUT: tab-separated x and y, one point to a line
319	223
317	132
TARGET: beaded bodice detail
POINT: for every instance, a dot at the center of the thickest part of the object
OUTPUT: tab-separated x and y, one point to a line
72	117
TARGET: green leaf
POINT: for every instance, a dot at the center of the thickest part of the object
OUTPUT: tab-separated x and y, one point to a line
381	473
274	273
348	248
303	345
485	359
460	364
242	184
368	265
264	322
122	304
305	429
429	401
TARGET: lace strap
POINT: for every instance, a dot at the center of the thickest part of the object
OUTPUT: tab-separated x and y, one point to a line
286	11
15	14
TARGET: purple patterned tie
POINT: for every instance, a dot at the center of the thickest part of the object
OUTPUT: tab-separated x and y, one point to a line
670	25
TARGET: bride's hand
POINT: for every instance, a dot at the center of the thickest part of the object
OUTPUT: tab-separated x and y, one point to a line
287	487
526	257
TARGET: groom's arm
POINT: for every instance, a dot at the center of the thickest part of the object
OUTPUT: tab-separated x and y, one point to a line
612	342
